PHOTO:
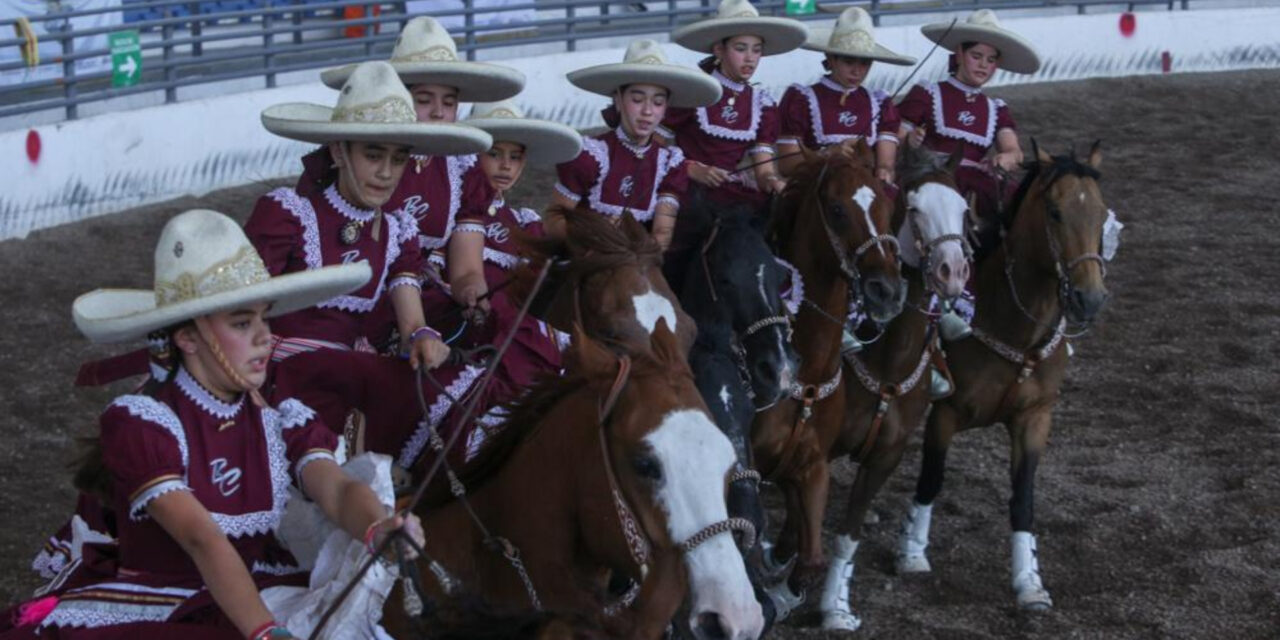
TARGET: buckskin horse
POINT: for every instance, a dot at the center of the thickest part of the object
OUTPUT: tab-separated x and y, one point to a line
832	224
614	468
1046	272
887	384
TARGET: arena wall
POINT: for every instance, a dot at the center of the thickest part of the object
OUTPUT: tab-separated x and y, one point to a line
73	170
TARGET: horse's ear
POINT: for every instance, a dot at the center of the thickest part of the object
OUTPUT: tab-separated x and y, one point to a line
665	345
589	356
635	231
953	162
1041	155
1095	154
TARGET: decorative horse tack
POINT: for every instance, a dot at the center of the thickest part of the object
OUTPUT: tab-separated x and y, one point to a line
887	392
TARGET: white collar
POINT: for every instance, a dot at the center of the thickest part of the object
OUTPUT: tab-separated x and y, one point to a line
626	142
968	90
724	80
827	82
347	210
206	400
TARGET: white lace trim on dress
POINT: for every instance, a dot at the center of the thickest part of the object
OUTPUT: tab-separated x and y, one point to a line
940	123
204	399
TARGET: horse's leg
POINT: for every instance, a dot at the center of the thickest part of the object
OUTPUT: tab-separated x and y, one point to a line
836	613
913	539
1028	435
814	484
777	560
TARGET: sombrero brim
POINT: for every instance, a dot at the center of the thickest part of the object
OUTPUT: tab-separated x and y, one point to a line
1016	54
475	81
780	35
688	87
544	142
119	315
311	123
820	38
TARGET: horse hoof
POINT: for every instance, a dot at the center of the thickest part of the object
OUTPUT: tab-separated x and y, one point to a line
784	600
912	564
840	621
1035	600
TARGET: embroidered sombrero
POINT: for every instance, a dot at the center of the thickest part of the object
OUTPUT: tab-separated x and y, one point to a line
204	264
544	142
373	106
854	36
740	18
426	54
645	63
1016	53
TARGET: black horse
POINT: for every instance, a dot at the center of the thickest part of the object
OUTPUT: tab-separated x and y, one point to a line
729	282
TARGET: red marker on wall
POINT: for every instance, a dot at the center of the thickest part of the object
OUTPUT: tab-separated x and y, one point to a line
33	146
1128	23
1166	61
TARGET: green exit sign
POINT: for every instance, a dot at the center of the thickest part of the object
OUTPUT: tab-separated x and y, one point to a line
801	7
126	58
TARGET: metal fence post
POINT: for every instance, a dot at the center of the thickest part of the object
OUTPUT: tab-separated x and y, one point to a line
367	30
268	59
469	22
69	73
170	74
298	12
571	42
197	27
875	12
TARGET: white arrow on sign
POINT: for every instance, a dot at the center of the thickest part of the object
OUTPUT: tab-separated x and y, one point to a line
130	66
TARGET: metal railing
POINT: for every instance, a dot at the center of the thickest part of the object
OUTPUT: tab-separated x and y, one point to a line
184	45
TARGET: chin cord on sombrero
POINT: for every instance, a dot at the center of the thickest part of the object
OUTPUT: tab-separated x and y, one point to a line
215	347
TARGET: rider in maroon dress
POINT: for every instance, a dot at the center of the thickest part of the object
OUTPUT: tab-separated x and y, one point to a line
741	127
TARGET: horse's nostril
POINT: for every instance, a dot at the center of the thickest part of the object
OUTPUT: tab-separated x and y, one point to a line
944	272
710	626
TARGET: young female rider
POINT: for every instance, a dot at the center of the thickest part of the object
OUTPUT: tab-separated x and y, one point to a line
483	249
622	170
196	469
954	114
831	115
370	134
742	126
436	188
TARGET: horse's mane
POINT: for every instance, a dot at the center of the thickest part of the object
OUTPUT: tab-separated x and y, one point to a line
915	163
1058	167
802	185
698	218
593	242
530	410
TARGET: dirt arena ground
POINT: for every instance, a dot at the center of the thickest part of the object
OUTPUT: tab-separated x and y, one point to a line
1157	503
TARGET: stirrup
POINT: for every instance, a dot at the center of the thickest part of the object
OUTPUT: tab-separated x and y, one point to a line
849	344
952	327
939	386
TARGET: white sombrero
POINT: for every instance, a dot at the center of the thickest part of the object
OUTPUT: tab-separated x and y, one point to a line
373	106
205	264
1016	53
854	36
544	142
740	18
645	63
426	54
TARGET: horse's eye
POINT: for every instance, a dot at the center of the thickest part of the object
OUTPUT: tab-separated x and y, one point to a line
647	466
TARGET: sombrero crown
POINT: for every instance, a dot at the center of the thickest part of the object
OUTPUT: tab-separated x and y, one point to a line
425	53
982	26
204	264
645	63
544	142
741	18
854	36
373	106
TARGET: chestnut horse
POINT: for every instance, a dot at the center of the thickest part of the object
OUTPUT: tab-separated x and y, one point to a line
887	384
596	252
615	468
831	223
1046	273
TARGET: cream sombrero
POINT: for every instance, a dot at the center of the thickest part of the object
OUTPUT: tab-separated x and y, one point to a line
740	18
1016	53
374	106
204	264
426	54
854	36
645	63
544	142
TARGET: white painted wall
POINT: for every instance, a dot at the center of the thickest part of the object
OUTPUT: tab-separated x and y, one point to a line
116	161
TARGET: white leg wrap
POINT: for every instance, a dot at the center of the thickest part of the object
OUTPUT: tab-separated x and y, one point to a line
784	600
914	539
1026	583
835	589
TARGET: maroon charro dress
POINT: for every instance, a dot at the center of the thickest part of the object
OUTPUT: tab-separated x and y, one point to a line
958	116
129	578
535	348
825	113
612	176
742	122
317	359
